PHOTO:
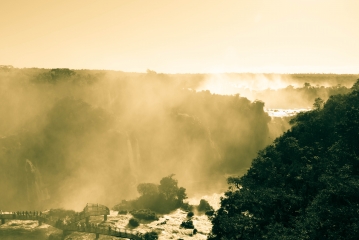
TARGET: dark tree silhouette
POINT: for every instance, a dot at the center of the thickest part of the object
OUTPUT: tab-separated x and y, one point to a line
305	185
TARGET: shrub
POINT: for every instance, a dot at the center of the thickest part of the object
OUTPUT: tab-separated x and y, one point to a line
186	207
190	214
150	236
122	212
134	222
209	213
162	198
144	214
187	224
204	206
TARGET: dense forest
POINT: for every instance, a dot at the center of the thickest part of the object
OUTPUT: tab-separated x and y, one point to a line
67	134
304	185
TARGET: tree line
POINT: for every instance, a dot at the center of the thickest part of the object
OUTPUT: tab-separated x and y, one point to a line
303	186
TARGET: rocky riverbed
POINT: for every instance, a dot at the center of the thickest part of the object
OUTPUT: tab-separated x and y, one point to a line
167	226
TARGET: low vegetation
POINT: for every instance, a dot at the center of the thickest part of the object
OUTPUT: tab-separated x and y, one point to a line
133	222
190	214
204	206
144	214
151	236
122	212
162	198
187	224
187	207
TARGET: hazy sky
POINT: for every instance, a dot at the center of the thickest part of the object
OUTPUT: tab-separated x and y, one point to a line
182	36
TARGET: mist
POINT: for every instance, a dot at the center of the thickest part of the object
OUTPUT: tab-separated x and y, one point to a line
69	137
280	91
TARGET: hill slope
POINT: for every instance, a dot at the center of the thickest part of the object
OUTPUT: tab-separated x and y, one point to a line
305	185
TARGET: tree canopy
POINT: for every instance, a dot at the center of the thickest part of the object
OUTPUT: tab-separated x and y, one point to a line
303	186
162	198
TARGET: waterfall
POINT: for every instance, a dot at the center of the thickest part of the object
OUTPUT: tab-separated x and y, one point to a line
36	192
131	159
138	156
